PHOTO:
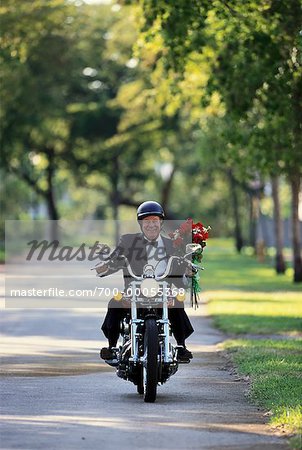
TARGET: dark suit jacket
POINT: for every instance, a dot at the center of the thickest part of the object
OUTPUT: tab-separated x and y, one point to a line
133	246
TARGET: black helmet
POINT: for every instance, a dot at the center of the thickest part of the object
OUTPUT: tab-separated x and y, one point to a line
150	208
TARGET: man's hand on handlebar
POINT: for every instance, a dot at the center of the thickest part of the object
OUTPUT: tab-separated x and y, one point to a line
101	269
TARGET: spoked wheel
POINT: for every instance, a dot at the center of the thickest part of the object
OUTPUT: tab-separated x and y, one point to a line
150	360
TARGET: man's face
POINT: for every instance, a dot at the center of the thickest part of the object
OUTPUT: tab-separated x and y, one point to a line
151	226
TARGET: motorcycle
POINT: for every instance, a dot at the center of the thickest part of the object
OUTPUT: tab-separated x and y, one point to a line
146	356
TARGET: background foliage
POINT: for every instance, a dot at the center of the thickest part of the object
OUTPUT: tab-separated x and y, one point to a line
108	104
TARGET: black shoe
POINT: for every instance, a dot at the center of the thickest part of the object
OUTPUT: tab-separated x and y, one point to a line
187	352
183	354
107	353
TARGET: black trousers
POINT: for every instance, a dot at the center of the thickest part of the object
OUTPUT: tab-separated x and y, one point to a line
180	323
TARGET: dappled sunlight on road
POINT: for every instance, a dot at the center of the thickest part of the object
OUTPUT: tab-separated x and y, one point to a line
49	356
145	422
44	345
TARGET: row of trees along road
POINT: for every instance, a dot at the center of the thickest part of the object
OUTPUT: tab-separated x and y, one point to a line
247	60
135	100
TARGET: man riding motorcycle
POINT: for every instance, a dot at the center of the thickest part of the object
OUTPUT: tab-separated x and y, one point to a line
148	247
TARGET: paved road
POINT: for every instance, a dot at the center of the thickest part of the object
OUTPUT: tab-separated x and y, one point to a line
56	394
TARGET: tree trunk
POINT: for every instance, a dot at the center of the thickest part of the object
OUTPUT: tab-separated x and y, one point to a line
253	220
278	227
238	233
297	260
115	199
53	214
165	194
295	178
257	218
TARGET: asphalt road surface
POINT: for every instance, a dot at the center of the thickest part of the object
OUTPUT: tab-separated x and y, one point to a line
57	394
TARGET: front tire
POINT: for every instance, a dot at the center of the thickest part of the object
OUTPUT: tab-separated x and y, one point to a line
140	382
150	368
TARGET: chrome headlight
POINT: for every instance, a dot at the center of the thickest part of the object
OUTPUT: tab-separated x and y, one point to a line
149	287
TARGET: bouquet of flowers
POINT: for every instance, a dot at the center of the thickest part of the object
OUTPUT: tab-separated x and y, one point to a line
196	233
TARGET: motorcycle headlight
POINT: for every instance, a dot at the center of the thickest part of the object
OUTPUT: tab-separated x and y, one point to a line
149	287
118	297
181	297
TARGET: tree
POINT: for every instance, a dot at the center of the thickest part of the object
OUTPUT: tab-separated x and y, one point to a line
60	73
253	55
34	92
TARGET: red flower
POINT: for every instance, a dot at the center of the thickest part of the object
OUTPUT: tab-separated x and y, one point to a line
178	242
186	227
205	234
200	233
189	231
197	227
196	233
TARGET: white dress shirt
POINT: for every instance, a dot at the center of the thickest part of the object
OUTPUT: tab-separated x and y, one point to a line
157	256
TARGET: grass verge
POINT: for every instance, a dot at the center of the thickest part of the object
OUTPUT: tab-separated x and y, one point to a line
251	312
275	369
246	298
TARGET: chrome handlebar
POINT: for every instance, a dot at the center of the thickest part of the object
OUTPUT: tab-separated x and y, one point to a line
184	259
158	278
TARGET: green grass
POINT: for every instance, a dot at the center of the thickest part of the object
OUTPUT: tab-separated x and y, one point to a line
275	370
2	255
256	313
246	297
225	269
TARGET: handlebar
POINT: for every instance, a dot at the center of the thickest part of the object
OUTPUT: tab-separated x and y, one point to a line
158	278
113	259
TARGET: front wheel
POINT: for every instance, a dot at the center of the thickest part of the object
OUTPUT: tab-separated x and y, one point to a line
140	382
150	368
